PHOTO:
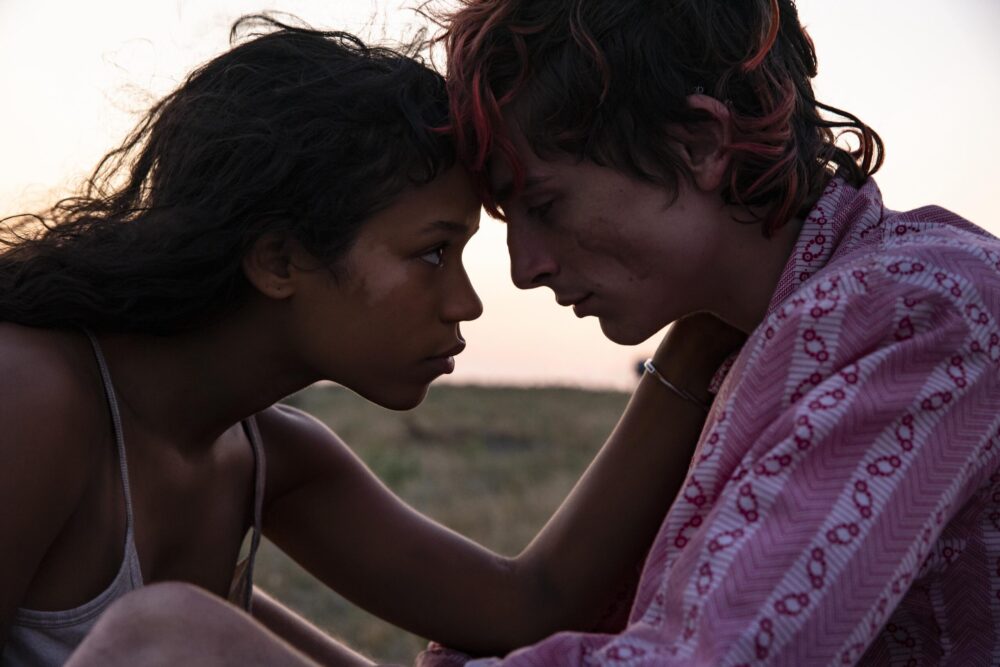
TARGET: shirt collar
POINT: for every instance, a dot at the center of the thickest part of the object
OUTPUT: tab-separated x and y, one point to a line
839	209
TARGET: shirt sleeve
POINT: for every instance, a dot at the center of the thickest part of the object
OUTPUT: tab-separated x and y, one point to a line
869	411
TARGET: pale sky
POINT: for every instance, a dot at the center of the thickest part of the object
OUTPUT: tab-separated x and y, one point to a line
924	74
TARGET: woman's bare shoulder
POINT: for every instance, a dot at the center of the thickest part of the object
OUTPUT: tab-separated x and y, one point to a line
48	447
50	392
300	449
287	420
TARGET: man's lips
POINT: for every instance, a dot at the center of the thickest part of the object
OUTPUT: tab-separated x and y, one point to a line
573	300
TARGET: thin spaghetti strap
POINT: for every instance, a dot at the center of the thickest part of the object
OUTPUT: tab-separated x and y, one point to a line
109	392
260	475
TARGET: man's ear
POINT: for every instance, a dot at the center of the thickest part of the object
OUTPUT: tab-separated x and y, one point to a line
269	265
703	146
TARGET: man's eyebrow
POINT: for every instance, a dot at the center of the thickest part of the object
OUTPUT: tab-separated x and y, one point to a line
503	191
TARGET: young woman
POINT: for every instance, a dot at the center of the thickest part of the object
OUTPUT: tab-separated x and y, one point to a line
290	213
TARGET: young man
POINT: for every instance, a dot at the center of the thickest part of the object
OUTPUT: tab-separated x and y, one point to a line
654	160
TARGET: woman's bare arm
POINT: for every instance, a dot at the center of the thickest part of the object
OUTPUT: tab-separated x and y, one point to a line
45	461
328	512
603	529
302	634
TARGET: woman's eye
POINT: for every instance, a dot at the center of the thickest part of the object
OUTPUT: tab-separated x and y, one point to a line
435	256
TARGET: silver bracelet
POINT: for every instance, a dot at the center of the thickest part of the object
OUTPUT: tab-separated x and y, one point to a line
686	395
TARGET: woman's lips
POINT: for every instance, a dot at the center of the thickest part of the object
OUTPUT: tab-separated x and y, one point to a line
444	363
440	365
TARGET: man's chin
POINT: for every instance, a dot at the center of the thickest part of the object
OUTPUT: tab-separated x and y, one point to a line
624	334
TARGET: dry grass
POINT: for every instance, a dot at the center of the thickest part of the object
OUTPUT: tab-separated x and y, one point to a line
492	463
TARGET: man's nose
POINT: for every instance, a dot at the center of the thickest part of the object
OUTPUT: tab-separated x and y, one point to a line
532	262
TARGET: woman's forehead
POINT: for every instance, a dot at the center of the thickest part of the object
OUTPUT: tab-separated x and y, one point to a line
446	204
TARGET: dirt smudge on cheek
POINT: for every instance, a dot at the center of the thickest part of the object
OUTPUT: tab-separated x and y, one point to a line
380	275
604	238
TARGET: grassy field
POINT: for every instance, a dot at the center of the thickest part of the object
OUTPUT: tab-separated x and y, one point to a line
491	463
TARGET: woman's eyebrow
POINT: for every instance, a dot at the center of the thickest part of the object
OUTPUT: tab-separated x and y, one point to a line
450	226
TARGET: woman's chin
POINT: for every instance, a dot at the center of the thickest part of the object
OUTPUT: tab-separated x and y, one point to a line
397	398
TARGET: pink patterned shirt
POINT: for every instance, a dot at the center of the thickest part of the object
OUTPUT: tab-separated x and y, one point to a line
843	504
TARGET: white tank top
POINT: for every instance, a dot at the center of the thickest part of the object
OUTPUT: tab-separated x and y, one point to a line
43	638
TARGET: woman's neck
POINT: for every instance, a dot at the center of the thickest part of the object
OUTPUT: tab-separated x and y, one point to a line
191	387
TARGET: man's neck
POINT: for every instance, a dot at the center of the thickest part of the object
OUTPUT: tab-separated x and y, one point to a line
751	268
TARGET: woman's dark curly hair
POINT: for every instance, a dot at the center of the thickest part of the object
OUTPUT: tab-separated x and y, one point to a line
293	130
606	79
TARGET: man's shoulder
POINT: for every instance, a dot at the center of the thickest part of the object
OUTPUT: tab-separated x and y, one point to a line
927	252
871	300
930	226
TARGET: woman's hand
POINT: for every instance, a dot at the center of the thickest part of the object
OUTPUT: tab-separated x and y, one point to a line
597	539
693	349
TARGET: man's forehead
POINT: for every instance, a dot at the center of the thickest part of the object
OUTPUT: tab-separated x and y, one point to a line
500	172
504	189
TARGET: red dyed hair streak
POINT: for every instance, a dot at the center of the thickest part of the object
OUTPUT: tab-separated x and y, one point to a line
604	81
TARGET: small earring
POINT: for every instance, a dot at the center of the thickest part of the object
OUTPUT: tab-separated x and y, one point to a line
699	90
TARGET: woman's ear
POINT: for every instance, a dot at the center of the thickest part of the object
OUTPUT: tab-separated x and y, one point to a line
704	145
268	265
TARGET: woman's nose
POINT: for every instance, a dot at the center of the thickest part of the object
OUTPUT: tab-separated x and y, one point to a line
464	305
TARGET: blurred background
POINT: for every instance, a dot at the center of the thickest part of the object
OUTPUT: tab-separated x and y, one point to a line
493	451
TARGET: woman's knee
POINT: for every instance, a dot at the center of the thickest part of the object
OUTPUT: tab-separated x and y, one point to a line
154	622
179	624
157	601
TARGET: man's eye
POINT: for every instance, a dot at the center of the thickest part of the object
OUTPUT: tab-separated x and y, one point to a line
541	211
435	256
